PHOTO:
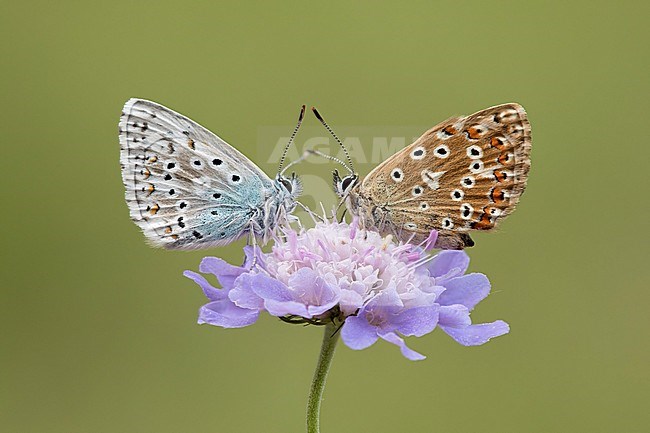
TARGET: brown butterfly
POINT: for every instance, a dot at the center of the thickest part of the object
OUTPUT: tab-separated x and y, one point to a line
466	173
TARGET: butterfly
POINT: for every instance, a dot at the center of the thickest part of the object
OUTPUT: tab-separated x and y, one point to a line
466	173
186	188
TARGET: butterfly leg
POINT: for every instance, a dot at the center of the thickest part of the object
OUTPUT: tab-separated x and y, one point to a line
253	242
312	214
343	216
338	328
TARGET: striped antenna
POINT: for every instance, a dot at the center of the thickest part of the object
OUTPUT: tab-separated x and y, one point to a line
347	155
331	158
290	142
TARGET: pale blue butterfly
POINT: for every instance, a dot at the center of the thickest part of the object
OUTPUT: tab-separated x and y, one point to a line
187	188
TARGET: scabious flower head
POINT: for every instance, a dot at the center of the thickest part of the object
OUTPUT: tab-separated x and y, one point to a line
374	287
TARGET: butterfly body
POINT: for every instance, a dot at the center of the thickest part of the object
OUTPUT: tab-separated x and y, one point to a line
466	173
187	188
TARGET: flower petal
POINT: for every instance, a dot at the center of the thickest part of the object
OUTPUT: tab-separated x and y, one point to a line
411	354
243	295
456	316
226	314
350	302
467	290
210	292
357	333
279	300
283	308
416	321
315	310
270	288
224	271
313	290
448	264
475	335
386	299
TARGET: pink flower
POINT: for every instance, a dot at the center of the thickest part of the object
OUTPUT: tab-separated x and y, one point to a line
374	287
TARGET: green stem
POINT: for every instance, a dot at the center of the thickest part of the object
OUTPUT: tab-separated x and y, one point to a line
330	338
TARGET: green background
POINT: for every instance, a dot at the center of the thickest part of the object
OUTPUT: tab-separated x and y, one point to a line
98	331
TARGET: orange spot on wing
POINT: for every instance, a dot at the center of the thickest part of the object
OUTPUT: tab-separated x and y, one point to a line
168	230
491	211
498	143
506	159
190	143
449	130
154	209
500	175
498	196
484	223
475	132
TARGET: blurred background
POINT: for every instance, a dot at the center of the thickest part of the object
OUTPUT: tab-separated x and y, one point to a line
98	331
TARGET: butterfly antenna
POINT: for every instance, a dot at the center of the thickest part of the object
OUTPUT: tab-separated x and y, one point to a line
331	158
293	136
347	155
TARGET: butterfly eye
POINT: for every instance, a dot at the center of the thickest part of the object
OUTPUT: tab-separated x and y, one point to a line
286	184
347	182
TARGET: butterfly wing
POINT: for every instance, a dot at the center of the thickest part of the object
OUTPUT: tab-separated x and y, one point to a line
463	174
185	187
